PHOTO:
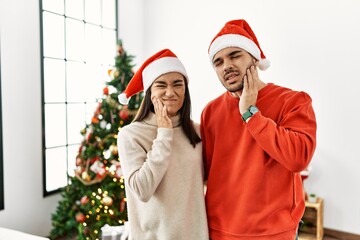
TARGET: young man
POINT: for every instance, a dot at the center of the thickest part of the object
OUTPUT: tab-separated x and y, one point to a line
257	137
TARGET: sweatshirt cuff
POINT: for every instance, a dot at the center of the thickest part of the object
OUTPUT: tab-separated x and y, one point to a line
254	124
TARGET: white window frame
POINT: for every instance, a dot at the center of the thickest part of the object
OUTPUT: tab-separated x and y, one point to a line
73	60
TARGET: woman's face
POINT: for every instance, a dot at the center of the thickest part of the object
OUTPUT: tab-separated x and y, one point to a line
169	88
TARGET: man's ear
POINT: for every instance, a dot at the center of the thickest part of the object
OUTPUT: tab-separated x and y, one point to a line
256	62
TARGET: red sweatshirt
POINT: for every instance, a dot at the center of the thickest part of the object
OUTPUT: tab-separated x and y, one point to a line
254	188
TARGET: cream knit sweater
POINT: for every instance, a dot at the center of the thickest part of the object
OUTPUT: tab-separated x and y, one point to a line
163	182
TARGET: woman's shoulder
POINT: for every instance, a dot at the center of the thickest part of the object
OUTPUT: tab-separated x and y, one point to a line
134	128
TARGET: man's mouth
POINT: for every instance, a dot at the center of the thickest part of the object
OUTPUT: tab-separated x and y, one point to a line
231	76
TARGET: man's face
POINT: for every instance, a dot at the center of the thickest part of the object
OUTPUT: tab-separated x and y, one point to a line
230	65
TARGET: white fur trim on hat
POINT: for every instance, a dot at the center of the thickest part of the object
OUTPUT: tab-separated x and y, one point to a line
264	64
160	67
234	40
123	99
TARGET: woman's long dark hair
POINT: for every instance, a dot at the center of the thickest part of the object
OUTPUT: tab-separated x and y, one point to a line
185	114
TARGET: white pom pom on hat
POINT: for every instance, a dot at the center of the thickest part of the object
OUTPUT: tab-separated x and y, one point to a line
238	33
164	61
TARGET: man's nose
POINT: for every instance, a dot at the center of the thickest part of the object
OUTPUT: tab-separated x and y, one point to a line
227	65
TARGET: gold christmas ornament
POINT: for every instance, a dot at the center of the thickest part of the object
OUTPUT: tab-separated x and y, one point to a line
107	201
85	176
113	149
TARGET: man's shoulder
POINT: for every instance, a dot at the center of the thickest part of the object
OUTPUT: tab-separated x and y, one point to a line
286	91
215	101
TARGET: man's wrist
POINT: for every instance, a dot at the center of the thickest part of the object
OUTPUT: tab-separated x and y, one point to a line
249	113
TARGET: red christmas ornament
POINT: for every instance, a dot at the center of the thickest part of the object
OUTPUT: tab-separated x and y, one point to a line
84	200
124	113
80	217
106	90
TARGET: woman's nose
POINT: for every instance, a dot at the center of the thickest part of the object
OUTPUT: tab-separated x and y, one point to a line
169	92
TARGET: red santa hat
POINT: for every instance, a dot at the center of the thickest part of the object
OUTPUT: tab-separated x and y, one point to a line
164	61
237	33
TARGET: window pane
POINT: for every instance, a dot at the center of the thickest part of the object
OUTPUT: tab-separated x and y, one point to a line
92	13
94	82
55	125
56	6
76	122
55	168
109	36
75	8
76	82
72	153
109	13
74	40
93	43
54	85
53	35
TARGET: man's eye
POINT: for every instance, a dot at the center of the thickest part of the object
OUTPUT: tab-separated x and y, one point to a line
217	63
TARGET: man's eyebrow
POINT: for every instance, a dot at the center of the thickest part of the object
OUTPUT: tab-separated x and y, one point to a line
234	52
229	55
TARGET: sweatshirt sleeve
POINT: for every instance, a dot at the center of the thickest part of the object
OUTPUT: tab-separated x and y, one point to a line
292	139
143	170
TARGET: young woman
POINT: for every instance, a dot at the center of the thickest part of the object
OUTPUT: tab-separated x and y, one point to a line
161	155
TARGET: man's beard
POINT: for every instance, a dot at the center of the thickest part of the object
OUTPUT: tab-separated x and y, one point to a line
236	89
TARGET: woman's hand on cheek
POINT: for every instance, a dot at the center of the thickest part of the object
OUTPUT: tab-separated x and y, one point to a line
162	117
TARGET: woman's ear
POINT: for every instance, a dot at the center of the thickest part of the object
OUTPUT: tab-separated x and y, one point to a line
256	62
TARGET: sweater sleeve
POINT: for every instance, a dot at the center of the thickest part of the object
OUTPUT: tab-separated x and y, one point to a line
292	139
143	170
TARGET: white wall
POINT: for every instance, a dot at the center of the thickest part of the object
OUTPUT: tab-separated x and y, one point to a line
312	45
132	28
25	207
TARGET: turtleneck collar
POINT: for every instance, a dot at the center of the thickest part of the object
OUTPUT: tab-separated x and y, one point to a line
151	120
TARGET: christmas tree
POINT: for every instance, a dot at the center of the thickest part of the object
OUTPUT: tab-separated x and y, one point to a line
95	195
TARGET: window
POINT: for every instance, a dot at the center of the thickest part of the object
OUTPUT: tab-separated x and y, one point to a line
78	39
1	151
